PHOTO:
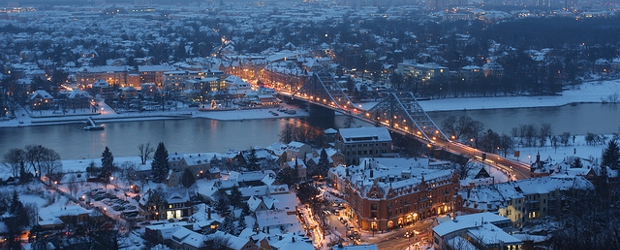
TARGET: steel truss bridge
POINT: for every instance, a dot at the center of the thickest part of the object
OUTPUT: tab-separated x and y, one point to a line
400	113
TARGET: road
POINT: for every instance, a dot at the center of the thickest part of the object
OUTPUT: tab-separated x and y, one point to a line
518	170
396	239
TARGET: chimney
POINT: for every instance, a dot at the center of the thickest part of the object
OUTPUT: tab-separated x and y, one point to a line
372	173
209	213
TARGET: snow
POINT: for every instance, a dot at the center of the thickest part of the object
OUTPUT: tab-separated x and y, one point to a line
588	92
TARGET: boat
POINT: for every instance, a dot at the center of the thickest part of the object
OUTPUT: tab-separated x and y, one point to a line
93	126
96	127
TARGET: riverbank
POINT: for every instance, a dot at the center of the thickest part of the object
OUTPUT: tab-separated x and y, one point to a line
589	92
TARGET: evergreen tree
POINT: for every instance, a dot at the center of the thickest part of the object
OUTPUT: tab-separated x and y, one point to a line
253	161
160	165
323	164
611	155
16	204
188	178
576	163
107	165
221	202
228	226
242	224
235	197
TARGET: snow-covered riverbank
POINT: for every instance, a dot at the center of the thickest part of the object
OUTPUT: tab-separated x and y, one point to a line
590	92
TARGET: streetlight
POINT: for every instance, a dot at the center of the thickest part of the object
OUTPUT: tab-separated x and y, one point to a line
408	235
374	227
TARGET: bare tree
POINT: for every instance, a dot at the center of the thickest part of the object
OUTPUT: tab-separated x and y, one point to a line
34	158
51	165
506	143
145	151
73	185
462	169
287	133
14	160
545	131
217	242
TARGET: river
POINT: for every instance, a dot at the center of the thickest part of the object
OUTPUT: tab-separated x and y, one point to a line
205	135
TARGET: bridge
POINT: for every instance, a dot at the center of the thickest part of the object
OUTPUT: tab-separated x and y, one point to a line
400	113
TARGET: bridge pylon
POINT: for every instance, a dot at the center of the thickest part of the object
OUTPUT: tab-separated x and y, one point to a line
322	89
401	111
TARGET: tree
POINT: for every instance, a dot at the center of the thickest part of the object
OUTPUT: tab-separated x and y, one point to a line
14	160
506	143
576	163
564	138
611	155
34	158
145	152
545	131
235	197
287	176
92	169
287	134
242	223
51	165
463	169
221	202
73	185
160	165
107	165
307	192
188	178
590	137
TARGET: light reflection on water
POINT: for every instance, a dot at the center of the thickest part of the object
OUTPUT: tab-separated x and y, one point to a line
205	135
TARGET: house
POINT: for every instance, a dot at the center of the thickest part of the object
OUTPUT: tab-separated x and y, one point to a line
186	239
162	232
355	143
55	217
196	163
422	72
172	180
212	241
297	150
78	99
485	230
299	166
521	201
164	204
41	100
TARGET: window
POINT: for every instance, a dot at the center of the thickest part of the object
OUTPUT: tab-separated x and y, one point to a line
373	206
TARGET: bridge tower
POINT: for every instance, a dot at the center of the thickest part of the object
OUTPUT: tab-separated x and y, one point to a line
402	112
324	95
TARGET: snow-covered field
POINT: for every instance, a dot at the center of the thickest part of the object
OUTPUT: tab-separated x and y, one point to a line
596	91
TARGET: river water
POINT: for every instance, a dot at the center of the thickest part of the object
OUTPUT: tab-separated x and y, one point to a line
205	135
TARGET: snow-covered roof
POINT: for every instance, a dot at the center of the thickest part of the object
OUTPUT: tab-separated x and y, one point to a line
468	221
378	134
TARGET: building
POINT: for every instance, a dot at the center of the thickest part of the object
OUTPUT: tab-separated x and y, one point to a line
153	73
113	75
175	80
521	201
423	73
297	150
41	100
475	231
355	143
389	193
165	204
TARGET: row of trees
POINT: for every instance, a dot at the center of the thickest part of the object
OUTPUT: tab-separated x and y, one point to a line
33	161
